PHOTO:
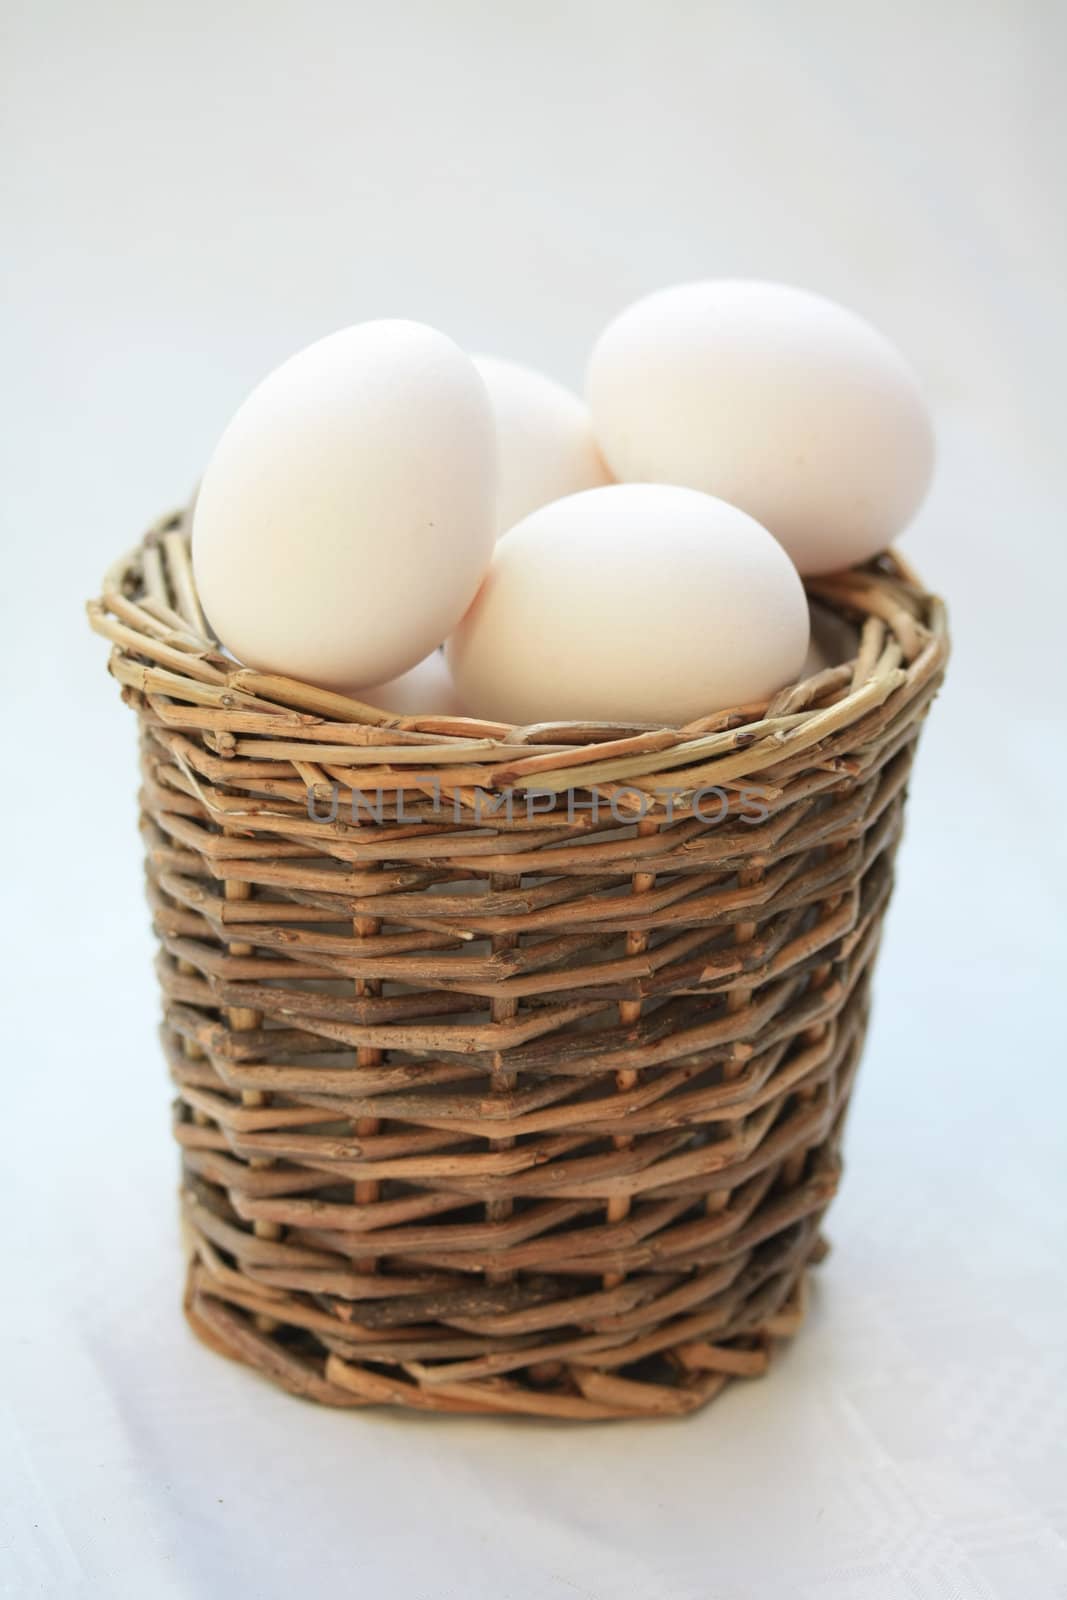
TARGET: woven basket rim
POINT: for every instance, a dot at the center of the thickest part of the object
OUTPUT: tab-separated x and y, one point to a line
163	649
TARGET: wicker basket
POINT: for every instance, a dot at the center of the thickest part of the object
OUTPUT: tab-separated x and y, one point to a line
490	1101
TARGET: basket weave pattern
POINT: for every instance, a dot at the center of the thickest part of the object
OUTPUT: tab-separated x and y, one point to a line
525	1109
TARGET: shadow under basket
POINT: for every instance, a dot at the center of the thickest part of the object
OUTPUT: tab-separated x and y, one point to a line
511	1063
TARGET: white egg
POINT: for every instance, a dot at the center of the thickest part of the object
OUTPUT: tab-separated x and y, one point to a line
545	446
426	689
777	400
349	511
631	603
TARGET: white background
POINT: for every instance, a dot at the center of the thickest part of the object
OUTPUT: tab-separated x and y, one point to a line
192	192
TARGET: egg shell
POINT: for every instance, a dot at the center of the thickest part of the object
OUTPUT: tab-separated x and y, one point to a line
777	400
630	603
425	689
349	511
545	444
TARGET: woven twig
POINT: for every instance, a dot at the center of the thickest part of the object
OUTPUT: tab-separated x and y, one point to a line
488	1103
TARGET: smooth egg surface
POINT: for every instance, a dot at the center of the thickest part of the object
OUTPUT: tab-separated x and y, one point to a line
426	689
773	398
545	446
348	513
630	603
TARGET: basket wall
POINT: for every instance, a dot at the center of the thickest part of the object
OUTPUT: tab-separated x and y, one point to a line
532	1112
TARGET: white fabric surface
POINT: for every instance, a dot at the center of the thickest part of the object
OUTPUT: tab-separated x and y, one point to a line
193	193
